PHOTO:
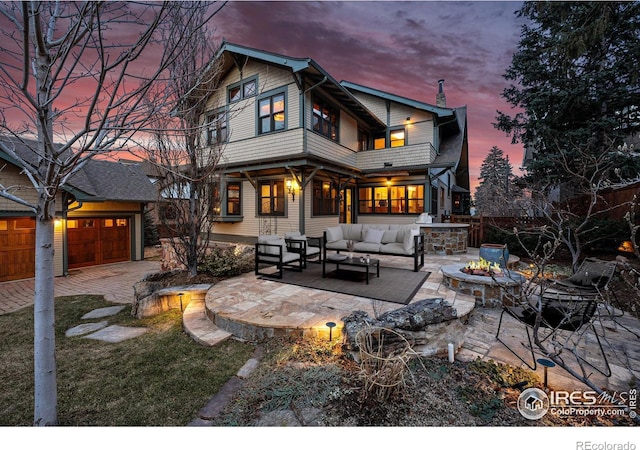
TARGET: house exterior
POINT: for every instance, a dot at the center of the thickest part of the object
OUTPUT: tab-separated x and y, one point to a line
302	152
99	216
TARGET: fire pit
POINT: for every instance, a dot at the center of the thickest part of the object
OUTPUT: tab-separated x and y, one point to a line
488	288
483	268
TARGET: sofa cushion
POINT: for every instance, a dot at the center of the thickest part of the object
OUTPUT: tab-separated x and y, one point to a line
373	236
336	245
352	231
271	250
292	234
389	236
335	234
268	237
366	247
408	239
395	248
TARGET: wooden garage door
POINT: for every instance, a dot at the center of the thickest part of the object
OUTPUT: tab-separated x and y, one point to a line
17	248
94	241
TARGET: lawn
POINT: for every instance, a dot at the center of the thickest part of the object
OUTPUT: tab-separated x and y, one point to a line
161	378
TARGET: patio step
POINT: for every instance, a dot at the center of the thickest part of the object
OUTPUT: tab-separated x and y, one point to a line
199	327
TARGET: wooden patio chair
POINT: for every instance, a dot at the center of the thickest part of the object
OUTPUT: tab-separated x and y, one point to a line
563	310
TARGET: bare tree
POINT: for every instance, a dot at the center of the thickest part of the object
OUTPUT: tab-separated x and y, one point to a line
577	214
187	144
74	75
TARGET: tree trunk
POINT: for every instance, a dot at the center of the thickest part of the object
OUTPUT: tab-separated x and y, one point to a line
45	408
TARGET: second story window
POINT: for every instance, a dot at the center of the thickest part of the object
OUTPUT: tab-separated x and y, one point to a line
244	89
325	119
271	114
363	140
380	141
217	128
397	138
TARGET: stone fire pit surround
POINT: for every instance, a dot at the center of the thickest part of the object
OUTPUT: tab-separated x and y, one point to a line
488	291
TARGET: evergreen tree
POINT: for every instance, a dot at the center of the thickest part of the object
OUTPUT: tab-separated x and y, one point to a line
575	79
497	193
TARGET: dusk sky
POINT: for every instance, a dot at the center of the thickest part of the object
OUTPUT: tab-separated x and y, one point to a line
400	47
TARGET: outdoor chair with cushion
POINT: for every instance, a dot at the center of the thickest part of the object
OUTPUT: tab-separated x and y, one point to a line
309	247
563	310
272	250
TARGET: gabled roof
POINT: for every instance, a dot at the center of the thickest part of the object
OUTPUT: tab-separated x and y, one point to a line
454	151
97	180
438	111
312	71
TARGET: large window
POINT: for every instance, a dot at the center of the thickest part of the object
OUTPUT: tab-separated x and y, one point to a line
325	199
217	128
244	89
272	198
406	199
325	119
271	114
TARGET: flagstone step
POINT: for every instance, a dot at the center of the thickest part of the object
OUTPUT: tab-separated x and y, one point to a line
197	325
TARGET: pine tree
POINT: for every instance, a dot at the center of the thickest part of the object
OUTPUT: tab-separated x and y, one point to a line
497	193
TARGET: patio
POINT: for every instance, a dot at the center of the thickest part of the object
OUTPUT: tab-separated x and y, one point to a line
254	308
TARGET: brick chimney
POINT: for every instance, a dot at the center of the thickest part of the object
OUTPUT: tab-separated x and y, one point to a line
441	99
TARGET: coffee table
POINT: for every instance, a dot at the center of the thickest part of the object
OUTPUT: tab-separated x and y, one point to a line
351	262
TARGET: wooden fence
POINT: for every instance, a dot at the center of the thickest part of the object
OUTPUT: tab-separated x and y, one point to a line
480	225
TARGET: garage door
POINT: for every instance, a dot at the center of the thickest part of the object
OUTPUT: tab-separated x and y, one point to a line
17	248
93	241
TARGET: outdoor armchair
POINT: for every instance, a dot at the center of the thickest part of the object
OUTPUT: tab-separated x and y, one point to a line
558	313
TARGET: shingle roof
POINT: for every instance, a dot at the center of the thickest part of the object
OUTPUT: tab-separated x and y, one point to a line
97	180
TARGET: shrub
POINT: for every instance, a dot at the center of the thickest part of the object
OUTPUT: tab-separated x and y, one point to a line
228	261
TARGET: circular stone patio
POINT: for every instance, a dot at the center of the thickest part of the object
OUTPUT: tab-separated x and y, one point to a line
255	309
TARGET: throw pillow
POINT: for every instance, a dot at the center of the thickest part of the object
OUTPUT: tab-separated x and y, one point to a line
374	236
389	236
275	250
408	239
292	234
334	234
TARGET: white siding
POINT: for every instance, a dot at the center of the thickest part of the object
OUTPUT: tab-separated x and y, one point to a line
411	155
348	131
271	145
251	223
374	104
326	148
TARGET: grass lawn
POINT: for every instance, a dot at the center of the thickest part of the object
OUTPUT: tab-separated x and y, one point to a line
161	378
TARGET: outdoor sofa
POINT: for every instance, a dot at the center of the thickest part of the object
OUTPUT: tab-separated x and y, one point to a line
396	240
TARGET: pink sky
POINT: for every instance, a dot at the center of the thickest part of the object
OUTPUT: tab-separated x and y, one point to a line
399	47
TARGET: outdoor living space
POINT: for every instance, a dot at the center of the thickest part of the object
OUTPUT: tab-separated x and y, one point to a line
254	308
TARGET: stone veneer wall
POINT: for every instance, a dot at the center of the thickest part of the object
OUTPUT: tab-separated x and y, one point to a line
446	242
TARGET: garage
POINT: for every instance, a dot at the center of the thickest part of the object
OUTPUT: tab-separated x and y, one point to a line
17	248
98	240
